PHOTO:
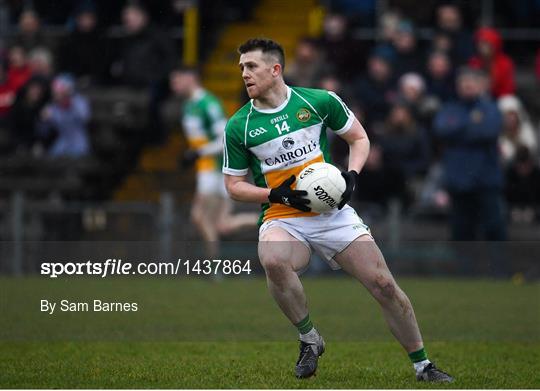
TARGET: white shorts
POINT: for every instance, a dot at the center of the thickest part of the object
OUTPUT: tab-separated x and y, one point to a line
211	183
327	233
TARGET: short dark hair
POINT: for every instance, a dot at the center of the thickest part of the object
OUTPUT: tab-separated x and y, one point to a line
187	69
468	71
266	46
136	4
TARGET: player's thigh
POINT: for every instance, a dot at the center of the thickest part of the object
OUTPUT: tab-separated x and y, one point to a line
197	206
363	260
205	206
278	248
224	209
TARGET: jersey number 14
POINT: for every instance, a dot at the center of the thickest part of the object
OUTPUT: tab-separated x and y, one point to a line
283	128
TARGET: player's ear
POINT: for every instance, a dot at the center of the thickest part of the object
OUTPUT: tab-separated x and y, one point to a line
276	70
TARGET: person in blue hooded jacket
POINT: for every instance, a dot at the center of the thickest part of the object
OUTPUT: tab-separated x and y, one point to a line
469	129
65	120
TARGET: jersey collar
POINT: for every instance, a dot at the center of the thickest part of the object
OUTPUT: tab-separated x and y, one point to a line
197	95
275	109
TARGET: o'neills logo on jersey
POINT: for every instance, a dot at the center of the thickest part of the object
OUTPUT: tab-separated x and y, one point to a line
303	115
294	155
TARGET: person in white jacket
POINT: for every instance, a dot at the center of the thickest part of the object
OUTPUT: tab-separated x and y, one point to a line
518	129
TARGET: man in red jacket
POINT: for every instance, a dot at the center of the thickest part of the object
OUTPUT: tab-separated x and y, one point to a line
7	95
491	58
19	71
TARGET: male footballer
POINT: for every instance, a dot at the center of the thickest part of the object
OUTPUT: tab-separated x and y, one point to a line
203	122
278	133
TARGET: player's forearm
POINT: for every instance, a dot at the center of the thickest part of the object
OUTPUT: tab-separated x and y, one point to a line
212	148
246	192
358	154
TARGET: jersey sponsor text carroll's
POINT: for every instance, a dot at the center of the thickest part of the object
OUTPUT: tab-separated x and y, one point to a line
292	156
298	140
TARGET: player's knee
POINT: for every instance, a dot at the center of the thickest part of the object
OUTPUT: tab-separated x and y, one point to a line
196	216
385	288
223	227
274	264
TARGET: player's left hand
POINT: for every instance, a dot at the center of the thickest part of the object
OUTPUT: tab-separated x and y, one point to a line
189	158
350	179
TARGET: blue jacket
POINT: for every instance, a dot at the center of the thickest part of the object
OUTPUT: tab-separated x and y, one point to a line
470	131
71	125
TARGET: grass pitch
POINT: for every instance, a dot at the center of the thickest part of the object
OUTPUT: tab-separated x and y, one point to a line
191	333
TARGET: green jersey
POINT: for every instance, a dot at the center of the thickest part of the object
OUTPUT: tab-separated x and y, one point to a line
203	122
277	143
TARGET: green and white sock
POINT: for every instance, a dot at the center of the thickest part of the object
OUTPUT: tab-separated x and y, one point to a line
419	359
308	333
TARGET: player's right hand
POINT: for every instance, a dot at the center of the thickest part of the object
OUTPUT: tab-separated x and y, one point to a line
283	194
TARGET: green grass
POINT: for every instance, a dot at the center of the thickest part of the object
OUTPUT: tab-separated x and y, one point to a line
193	333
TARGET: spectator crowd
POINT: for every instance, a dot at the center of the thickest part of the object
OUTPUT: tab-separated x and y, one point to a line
446	123
41	111
449	132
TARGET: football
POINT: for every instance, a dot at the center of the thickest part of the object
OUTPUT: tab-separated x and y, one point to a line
324	185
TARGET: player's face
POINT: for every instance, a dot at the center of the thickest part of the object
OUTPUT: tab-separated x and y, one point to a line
180	83
258	73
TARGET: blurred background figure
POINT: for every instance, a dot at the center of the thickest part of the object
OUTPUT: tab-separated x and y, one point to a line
85	53
378	183
440	76
404	142
537	65
491	58
30	35
407	54
376	90
338	147
26	112
203	122
144	59
308	65
388	26
341	50
517	130
18	68
146	55
470	128
523	187
412	91
63	123
331	82
41	63
450	26
7	96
